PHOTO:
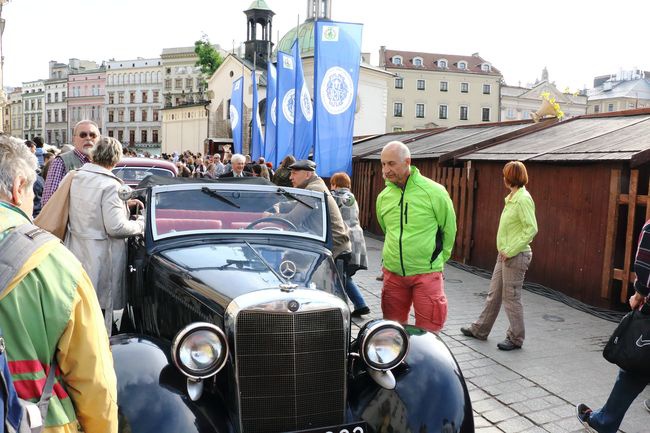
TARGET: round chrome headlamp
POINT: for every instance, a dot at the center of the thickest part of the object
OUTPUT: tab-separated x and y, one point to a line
200	350
383	344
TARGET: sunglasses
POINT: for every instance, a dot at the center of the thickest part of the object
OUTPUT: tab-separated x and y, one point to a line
85	134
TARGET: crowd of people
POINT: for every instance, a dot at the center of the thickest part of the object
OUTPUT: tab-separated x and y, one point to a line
82	283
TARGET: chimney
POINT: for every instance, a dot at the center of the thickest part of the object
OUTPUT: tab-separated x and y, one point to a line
382	56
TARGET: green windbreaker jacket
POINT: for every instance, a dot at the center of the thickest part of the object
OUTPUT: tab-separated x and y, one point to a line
419	223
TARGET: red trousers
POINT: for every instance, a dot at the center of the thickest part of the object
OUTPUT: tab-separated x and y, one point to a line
425	291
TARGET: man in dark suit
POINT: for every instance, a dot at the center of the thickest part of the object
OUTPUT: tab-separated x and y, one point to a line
238	162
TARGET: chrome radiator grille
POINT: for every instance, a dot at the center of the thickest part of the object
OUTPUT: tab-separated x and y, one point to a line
291	370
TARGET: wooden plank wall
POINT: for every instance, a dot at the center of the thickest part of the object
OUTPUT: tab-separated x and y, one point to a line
572	212
367	183
628	209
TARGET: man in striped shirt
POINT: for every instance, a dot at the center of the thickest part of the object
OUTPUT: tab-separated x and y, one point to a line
85	136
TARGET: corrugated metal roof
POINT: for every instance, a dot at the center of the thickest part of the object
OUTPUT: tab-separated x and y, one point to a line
364	148
579	139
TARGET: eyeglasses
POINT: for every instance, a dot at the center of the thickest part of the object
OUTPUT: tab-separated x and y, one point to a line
84	134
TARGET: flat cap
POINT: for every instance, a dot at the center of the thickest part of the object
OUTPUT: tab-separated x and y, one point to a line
303	164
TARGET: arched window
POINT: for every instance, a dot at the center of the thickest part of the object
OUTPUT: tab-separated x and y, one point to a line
462	65
397	60
417	61
486	67
442	63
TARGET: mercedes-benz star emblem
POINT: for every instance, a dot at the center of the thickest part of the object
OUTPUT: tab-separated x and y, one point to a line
293	306
288	269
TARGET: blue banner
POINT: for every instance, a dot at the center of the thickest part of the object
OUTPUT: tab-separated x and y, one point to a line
337	57
303	130
236	114
269	150
257	140
286	97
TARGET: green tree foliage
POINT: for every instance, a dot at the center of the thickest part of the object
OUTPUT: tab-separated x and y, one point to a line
209	58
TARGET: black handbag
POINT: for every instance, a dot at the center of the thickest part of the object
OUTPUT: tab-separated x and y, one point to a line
629	345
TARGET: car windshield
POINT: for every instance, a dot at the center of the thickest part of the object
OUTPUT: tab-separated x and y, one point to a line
136	174
232	208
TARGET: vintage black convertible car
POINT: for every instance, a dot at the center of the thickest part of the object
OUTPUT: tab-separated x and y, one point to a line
236	321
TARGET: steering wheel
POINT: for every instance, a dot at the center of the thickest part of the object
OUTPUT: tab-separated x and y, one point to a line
272	218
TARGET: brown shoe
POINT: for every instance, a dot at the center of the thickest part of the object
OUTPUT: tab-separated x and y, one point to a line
467	332
507	345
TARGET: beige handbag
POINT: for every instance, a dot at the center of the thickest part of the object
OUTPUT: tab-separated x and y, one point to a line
54	215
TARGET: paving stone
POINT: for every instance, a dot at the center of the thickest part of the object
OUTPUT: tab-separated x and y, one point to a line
478	395
515	425
486	405
511	397
480	422
542	417
489	430
536	429
500	414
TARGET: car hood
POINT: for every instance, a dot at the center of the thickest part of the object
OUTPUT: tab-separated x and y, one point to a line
232	269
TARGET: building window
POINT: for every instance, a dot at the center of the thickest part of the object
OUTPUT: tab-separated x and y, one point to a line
168	83
444	85
442	112
110	133
56	97
63	99
596	108
419	111
442	63
421	85
131	137
143	136
397	109
463	112
120	115
510	113
399	83
464	87
417	61
397	60
610	107
485	67
188	83
111	98
63	136
144	97
178	83
485	117
49	136
120	136
462	65
111	113
154	136
155	115
63	113
156	96
49	101
397	128
132	97
132	116
487	89
144	115
120	97
56	116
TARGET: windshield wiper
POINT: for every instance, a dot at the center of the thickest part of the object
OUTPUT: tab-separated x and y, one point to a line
216	195
270	268
286	193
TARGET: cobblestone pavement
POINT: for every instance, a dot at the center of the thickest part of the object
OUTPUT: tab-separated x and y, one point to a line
533	389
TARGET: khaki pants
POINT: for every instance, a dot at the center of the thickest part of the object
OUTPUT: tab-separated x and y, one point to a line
505	286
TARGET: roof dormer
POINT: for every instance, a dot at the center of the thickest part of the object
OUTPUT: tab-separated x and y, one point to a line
443	63
397	60
462	65
418	61
486	67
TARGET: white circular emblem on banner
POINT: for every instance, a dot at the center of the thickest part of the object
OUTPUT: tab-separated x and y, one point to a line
337	90
234	117
273	116
305	103
288	105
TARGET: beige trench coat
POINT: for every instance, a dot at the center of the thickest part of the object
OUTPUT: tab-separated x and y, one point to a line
98	226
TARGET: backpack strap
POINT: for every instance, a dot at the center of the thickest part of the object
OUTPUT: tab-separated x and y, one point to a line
17	247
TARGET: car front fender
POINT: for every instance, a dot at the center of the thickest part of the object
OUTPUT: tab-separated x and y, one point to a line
430	394
151	392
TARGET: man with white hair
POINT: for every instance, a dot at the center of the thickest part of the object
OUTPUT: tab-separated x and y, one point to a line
85	136
48	307
417	216
238	163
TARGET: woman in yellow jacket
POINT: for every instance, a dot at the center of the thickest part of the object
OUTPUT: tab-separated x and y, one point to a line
517	228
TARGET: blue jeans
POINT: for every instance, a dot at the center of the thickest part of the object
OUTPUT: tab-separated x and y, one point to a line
354	294
626	388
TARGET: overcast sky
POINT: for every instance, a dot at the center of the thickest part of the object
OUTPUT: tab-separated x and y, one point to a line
575	39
